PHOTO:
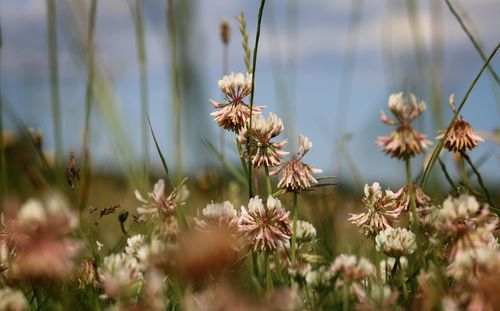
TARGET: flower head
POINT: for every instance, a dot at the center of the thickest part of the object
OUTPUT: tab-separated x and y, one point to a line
12	300
297	175
381	211
263	152
158	204
352	268
38	240
396	242
305	231
233	114
120	276
266	228
405	141
219	215
422	200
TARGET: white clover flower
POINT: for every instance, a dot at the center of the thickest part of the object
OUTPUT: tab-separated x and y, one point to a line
396	242
304	145
220	210
386	265
305	231
464	206
12	300
134	243
159	204
319	278
32	211
120	276
352	268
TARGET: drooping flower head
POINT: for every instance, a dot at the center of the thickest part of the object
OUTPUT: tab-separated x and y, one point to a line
405	141
381	212
233	114
266	228
295	174
396	242
422	200
263	152
461	135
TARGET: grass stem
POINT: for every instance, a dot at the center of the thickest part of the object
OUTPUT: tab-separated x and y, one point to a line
293	246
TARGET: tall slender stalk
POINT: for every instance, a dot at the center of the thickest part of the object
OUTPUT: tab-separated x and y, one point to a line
3	173
254	65
54	86
176	89
413	208
143	80
89	97
439	147
269	188
293	247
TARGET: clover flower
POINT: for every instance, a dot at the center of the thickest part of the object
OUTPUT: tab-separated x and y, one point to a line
295	174
465	225
158	204
219	215
352	272
381	298
381	212
405	141
12	300
263	152
396	242
234	113
422	200
305	231
86	274
120	277
38	240
266	228
461	135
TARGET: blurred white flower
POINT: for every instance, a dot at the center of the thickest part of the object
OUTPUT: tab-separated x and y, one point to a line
396	242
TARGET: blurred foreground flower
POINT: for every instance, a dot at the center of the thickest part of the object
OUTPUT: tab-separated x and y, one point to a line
352	272
295	174
263	152
38	241
266	228
12	300
222	215
405	142
381	211
120	277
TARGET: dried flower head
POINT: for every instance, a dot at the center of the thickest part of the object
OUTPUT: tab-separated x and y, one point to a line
87	273
461	135
120	277
405	141
12	300
225	31
422	200
158	204
263	152
381	211
396	242
266	228
39	242
295	174
234	113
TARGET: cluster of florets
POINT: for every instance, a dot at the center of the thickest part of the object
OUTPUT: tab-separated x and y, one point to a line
381	211
396	242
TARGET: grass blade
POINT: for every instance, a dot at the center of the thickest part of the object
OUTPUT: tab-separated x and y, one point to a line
230	168
439	147
163	161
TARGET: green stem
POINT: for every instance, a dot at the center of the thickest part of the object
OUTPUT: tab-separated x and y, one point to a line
84	191
402	280
176	94
254	65
294	229
345	298
413	206
439	147
54	88
464	172
268	182
269	280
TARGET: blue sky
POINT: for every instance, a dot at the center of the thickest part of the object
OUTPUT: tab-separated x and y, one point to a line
303	47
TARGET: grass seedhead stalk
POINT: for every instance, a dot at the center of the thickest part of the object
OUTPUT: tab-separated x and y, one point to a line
254	65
